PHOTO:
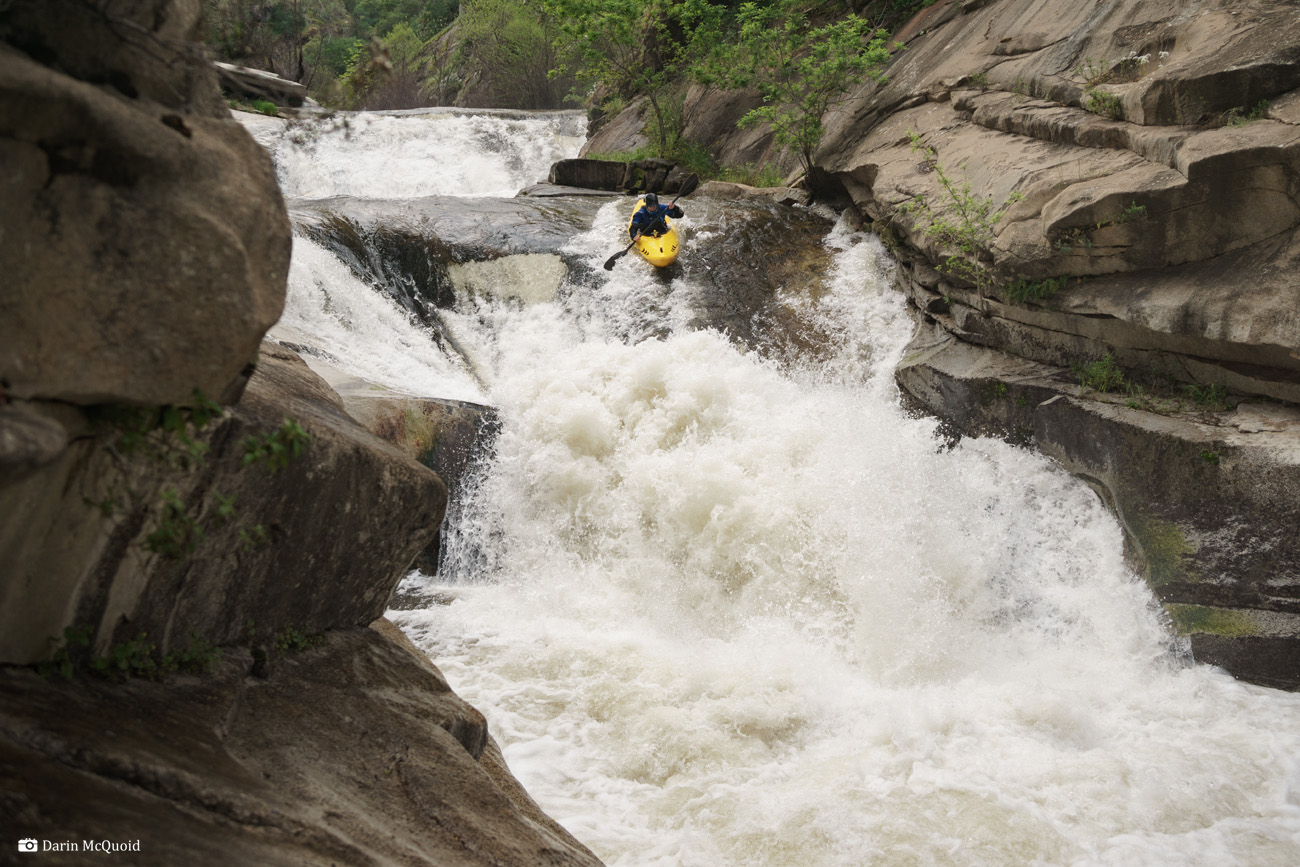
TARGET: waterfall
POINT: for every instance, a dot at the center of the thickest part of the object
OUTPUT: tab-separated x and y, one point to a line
722	608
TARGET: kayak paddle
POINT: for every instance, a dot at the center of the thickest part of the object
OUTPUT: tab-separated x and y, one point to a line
688	187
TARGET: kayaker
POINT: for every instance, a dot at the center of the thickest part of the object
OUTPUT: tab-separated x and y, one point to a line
649	219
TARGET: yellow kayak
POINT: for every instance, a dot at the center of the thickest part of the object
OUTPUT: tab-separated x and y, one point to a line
658	250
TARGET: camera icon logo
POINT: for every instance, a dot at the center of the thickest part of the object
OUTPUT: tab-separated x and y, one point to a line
27	845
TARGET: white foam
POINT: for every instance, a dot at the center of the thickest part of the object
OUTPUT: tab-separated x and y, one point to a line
398	156
358	329
722	612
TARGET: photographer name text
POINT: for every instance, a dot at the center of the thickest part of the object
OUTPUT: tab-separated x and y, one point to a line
105	846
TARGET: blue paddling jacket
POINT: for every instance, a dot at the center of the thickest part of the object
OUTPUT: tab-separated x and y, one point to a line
649	219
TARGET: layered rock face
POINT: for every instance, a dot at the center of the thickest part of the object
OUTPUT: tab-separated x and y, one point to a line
1077	188
1090	199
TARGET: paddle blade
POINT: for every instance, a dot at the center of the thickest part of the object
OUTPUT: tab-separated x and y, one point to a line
688	186
609	263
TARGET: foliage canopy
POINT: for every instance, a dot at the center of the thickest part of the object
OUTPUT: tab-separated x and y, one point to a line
801	71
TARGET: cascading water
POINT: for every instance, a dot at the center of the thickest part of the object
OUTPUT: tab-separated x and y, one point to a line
721	610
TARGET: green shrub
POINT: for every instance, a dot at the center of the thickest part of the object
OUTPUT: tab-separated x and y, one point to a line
1208	395
1102	375
1022	291
1103	103
964	227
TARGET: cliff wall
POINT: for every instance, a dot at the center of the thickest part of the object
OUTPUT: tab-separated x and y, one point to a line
196	534
1130	305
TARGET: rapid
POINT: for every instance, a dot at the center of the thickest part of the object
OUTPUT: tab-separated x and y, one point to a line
723	606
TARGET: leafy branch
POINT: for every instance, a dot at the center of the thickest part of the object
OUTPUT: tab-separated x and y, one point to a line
802	72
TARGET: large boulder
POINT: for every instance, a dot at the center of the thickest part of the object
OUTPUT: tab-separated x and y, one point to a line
351	751
591	174
449	437
260	84
145	241
124	534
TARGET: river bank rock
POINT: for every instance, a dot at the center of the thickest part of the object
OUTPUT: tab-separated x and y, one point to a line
1207	497
148	532
1148	233
592	174
352	750
145	243
239	547
1126	177
447	436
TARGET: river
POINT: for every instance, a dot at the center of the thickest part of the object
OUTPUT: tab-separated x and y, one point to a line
725	608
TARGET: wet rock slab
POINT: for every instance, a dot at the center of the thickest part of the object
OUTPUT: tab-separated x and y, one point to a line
453	229
754	258
246	551
409	247
351	751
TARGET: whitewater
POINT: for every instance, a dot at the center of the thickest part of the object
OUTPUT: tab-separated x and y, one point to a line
725	609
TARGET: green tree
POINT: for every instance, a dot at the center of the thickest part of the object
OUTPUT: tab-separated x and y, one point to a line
424	17
633	47
510	49
801	71
388	73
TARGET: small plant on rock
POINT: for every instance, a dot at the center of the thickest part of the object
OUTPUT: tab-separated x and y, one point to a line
1243	116
134	658
277	448
1102	375
1022	291
196	658
965	225
1212	396
65	657
296	640
1133	212
1105	104
178	532
1092	71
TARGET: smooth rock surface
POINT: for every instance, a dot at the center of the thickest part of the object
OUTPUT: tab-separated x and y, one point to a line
352	751
317	544
145	241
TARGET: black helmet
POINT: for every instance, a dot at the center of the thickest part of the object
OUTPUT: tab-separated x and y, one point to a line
651	200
